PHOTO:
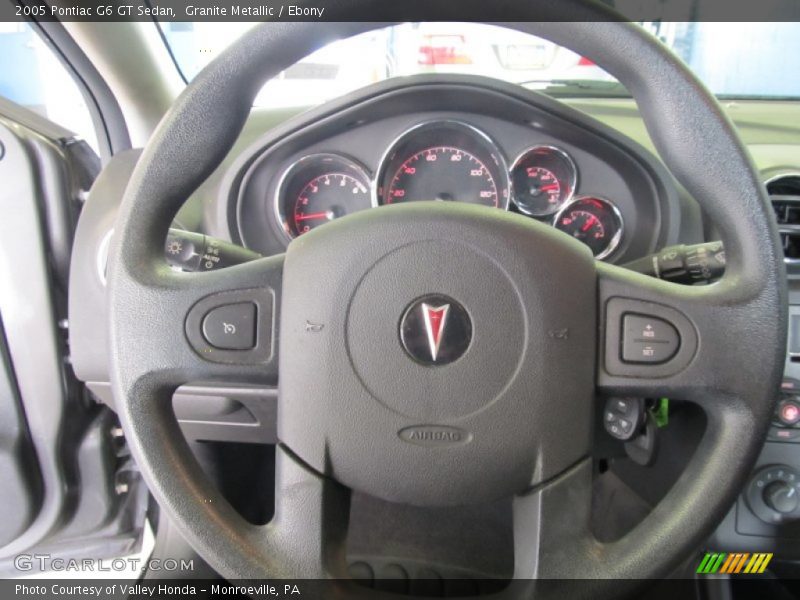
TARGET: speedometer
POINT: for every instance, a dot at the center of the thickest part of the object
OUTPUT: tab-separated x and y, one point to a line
443	173
446	161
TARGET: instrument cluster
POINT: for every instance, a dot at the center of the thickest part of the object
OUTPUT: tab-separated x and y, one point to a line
447	161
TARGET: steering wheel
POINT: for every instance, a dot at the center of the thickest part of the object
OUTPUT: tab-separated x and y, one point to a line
537	331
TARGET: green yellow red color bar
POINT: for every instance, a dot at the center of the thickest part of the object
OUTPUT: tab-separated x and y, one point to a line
734	562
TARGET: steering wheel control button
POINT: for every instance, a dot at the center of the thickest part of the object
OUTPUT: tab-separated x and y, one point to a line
632	349
774	494
648	339
231	327
622	417
435	330
235	326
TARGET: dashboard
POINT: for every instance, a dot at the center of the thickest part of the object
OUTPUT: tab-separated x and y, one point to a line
461	140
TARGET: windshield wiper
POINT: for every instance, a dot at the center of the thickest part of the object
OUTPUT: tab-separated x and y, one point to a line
578	87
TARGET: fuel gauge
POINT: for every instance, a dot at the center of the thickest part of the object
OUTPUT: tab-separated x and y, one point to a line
594	221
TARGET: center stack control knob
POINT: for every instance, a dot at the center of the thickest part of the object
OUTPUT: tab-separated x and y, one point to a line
774	494
781	497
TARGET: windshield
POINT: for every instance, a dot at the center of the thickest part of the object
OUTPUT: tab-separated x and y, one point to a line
735	60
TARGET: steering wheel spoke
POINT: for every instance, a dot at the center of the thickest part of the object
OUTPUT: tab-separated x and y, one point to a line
310	523
214	326
544	532
555	553
662	339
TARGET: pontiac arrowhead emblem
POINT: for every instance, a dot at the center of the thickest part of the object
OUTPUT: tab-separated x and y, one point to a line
435	322
435	330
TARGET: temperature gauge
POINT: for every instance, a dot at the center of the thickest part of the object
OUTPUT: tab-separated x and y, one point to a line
543	180
594	221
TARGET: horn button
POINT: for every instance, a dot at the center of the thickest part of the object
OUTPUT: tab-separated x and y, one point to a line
436	353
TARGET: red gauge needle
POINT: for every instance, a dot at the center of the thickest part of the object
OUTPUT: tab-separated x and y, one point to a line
588	225
316	215
552	186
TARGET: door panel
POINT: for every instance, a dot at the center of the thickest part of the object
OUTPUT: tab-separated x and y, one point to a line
67	478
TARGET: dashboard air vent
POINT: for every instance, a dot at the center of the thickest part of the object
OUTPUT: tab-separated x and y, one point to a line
784	192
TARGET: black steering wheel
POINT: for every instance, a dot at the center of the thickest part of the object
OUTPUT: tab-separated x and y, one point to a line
513	415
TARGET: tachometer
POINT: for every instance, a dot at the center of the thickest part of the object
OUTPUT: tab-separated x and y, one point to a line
594	221
319	188
543	179
446	161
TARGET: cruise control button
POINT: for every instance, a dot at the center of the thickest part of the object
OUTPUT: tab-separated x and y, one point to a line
231	327
647	339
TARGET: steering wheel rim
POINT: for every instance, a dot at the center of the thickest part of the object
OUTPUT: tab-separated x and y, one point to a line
149	304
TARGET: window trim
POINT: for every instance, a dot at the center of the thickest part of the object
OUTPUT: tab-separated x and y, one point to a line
106	114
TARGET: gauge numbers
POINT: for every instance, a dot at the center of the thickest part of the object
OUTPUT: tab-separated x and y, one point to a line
594	221
543	180
444	161
446	174
318	189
